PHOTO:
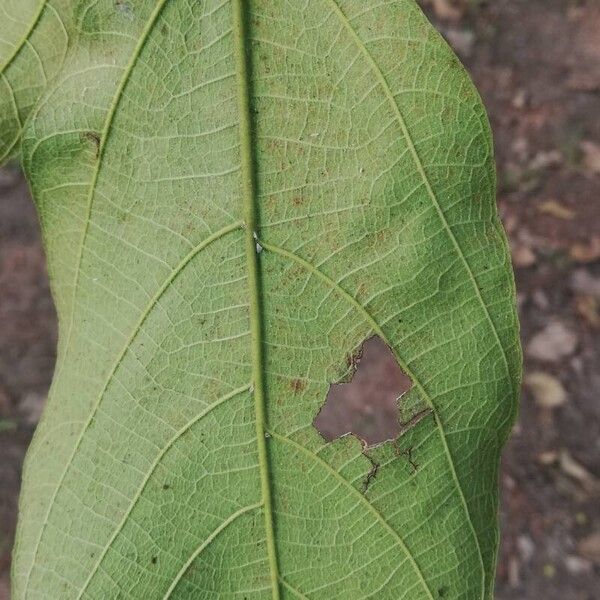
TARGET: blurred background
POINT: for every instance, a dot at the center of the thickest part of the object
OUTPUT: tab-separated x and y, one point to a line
537	66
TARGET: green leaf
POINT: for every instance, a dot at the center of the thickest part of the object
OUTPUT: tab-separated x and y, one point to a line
230	208
33	42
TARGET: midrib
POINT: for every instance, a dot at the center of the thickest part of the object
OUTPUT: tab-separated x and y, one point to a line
249	212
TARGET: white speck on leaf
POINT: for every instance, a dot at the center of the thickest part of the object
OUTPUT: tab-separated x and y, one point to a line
259	248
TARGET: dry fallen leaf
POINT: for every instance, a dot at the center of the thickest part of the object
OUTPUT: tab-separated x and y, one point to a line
526	547
548	458
586	252
31	407
462	40
589	547
545	160
589	308
583	281
519	100
591	156
577	471
554	342
547	390
577	565
445	9
522	256
514	572
555	209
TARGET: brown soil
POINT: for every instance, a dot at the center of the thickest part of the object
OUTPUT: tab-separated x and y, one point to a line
537	65
27	341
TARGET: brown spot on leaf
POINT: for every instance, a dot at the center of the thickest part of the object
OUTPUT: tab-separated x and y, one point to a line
297	385
382	235
94	138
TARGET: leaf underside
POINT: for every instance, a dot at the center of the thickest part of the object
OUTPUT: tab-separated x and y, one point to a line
234	196
33	42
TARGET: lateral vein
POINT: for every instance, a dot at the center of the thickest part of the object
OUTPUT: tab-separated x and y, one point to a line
376	514
18	47
205	543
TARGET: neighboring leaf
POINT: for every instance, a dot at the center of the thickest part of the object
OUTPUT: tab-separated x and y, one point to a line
220	240
33	42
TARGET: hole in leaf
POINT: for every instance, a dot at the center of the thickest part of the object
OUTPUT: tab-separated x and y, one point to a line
367	405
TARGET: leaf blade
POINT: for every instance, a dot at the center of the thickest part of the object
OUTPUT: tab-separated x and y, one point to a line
353	246
31	53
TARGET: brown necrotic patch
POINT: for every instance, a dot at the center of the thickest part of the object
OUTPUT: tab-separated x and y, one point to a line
367	406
